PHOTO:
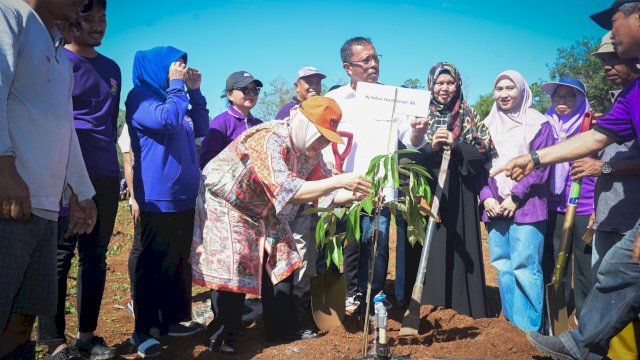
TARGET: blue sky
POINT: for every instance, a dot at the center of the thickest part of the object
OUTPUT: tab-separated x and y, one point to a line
276	38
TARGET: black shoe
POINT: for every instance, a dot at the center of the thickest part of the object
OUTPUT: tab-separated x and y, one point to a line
185	328
551	346
67	353
95	348
221	347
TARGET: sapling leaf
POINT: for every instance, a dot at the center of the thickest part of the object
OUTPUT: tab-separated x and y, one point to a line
339	212
419	169
336	254
367	205
404	161
374	165
320	232
330	246
406	151
394	173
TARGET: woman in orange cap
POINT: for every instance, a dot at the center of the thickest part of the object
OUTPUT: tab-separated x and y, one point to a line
242	241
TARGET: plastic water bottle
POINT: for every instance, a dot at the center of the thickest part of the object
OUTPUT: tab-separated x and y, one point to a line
381	346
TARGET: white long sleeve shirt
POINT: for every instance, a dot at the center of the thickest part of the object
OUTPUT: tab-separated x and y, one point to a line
36	110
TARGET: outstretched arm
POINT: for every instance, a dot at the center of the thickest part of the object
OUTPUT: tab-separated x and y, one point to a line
573	148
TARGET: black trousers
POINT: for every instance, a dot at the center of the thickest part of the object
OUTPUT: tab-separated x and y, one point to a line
134	254
92	265
162	279
278	309
578	251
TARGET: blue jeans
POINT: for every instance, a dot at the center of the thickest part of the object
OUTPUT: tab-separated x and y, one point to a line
382	252
516	252
612	303
603	241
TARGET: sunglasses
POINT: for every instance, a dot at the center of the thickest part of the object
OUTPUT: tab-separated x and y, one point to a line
247	90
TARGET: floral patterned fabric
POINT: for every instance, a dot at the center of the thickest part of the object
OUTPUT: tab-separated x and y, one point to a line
243	210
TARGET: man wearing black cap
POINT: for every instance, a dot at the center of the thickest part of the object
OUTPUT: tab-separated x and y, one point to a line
615	299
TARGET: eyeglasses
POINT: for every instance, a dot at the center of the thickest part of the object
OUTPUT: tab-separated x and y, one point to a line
249	90
369	60
567	98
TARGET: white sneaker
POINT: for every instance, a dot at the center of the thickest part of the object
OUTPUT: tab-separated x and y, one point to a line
352	303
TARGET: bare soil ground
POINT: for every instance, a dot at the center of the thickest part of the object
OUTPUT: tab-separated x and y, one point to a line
444	334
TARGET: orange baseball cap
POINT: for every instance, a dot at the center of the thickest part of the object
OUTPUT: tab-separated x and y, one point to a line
325	114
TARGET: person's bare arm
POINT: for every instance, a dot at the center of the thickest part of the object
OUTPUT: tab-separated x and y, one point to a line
127	159
593	167
15	201
312	190
573	148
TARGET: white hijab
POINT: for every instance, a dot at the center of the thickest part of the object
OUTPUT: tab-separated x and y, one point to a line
303	131
512	131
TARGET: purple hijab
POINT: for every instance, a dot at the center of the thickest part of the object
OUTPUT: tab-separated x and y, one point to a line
564	127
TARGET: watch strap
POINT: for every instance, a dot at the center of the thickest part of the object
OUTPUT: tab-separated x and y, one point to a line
535	158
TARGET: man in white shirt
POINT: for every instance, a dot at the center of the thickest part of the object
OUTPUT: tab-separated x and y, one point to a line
362	63
39	158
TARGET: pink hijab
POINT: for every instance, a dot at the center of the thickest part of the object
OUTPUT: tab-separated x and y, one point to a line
512	131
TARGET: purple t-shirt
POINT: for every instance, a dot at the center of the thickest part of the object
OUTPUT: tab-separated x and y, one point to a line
623	120
96	101
286	109
223	129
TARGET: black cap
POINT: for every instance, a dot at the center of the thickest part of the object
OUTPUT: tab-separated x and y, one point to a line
603	18
240	79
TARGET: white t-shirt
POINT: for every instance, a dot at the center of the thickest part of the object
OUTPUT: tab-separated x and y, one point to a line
124	141
362	151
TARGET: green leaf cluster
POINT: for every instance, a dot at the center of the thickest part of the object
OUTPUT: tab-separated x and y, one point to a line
409	178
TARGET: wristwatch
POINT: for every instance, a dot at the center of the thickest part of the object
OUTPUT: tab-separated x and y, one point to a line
606	168
535	159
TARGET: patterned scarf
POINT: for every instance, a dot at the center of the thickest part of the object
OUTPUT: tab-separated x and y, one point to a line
463	119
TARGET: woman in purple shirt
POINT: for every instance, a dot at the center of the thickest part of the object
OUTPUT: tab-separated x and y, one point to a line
568	106
515	213
242	91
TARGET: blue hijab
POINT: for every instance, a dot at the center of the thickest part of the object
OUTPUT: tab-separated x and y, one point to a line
151	68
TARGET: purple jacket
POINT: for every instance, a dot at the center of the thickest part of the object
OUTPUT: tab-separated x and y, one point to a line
533	189
223	129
